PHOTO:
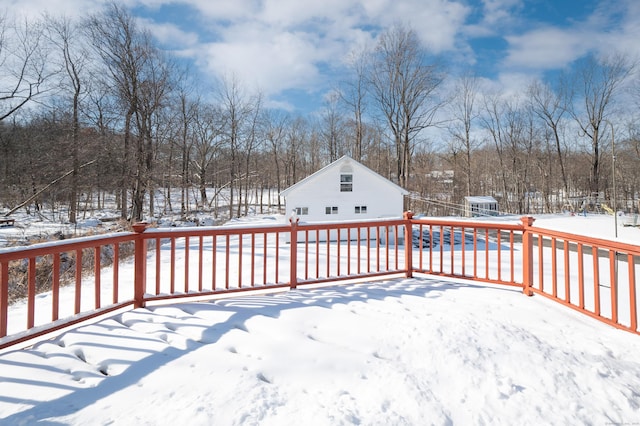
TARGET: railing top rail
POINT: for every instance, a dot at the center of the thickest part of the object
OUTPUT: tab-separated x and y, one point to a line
351	224
592	241
262	227
55	247
213	230
468	224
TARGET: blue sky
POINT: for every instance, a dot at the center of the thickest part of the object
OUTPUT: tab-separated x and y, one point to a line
294	51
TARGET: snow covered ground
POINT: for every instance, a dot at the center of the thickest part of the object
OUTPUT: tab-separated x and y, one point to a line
597	225
404	351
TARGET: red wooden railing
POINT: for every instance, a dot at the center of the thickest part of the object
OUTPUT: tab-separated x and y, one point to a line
481	251
167	264
594	276
50	266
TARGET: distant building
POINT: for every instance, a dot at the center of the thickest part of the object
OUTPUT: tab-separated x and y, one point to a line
480	206
442	176
344	190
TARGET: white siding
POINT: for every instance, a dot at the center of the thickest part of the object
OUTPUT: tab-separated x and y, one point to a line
381	197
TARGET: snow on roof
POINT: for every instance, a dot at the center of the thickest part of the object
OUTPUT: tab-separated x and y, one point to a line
480	199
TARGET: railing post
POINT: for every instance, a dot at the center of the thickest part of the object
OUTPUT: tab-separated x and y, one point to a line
527	255
4	297
408	244
140	264
293	246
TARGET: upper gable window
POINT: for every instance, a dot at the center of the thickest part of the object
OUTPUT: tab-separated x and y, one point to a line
346	182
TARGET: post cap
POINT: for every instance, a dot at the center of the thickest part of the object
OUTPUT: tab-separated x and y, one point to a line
139	227
527	220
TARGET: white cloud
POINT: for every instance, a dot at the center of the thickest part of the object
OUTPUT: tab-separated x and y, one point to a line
170	35
282	44
35	8
511	84
292	13
546	48
499	12
223	10
437	22
272	62
620	35
607	29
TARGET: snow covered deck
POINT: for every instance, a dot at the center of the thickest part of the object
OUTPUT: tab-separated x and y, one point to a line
399	351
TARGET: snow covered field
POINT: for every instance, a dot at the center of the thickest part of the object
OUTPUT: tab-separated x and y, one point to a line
405	351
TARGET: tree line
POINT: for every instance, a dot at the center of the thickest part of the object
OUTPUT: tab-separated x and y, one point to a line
93	110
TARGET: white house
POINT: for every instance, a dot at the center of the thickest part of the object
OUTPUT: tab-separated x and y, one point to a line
344	190
480	206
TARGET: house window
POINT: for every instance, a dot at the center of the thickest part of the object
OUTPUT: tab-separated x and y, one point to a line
361	209
331	210
302	211
346	182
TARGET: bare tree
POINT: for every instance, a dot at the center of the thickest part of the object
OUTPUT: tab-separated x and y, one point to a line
596	84
511	130
111	33
275	130
238	108
208	128
332	130
23	59
296	138
65	36
627	152
550	107
354	95
186	116
139	76
153	91
464	112
404	88
251	142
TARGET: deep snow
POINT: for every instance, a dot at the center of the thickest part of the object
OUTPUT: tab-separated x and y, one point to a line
404	351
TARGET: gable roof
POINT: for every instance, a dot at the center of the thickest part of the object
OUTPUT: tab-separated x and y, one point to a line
345	159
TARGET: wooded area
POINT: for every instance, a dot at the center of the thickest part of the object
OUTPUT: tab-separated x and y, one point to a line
94	109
